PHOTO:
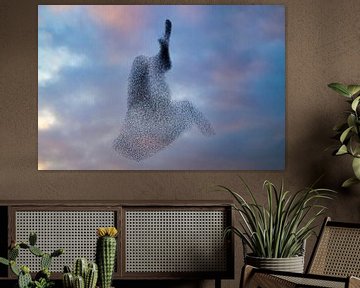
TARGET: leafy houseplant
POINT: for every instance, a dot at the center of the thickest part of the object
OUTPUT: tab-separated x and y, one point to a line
279	229
42	278
348	132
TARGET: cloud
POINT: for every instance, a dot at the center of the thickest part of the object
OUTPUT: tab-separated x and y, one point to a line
61	8
53	60
228	73
46	119
192	14
233	72
42	165
123	18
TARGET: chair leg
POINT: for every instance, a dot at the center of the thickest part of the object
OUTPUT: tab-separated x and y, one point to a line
246	273
250	278
354	282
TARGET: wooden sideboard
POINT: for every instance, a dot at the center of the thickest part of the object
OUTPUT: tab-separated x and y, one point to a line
157	240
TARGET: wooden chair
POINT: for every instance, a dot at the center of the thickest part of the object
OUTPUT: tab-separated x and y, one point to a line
334	263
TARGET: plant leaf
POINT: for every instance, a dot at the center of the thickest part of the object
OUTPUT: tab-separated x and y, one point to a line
340	88
354	143
342	150
356	167
4	261
351	121
355	103
14	268
349	182
353	89
279	228
345	134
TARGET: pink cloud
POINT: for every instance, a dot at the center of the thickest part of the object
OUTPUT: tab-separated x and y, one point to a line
123	18
119	22
61	8
191	13
228	75
234	126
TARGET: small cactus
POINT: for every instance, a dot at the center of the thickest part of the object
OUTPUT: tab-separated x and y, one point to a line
13	253
36	251
57	252
32	238
81	266
106	254
79	282
91	276
68	280
24	278
24	245
45	261
84	274
14	268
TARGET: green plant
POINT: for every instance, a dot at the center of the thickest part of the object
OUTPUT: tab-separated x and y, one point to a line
43	283
85	275
80	268
348	133
105	254
279	229
91	275
42	278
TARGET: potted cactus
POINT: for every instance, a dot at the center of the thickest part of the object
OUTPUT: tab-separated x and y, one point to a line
106	254
85	274
42	278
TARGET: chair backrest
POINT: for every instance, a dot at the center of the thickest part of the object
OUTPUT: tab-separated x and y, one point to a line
337	251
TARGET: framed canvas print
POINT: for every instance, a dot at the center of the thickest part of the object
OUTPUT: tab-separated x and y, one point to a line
161	87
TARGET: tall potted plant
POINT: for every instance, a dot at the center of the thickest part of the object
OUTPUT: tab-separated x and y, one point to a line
348	132
275	233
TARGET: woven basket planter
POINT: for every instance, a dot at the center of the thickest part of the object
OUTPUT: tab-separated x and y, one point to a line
291	264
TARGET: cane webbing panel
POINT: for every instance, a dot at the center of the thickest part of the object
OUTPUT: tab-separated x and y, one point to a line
175	241
75	231
267	280
313	282
338	252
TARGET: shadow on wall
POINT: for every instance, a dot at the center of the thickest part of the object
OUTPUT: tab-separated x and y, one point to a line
314	160
335	169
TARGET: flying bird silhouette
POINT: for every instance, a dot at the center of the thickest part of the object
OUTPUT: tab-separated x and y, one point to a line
153	121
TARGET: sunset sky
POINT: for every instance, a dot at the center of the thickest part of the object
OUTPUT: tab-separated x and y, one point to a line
229	61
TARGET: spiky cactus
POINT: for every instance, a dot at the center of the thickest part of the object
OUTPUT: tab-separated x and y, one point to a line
79	282
24	278
80	267
87	272
68	280
106	254
91	276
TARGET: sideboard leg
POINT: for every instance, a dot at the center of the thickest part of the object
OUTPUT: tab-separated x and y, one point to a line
217	283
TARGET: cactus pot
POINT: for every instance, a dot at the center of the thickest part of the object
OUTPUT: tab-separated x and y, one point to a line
291	264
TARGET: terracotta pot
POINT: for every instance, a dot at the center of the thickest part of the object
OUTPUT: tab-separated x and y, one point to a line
291	264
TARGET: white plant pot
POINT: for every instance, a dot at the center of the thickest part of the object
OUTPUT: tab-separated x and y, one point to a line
291	264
